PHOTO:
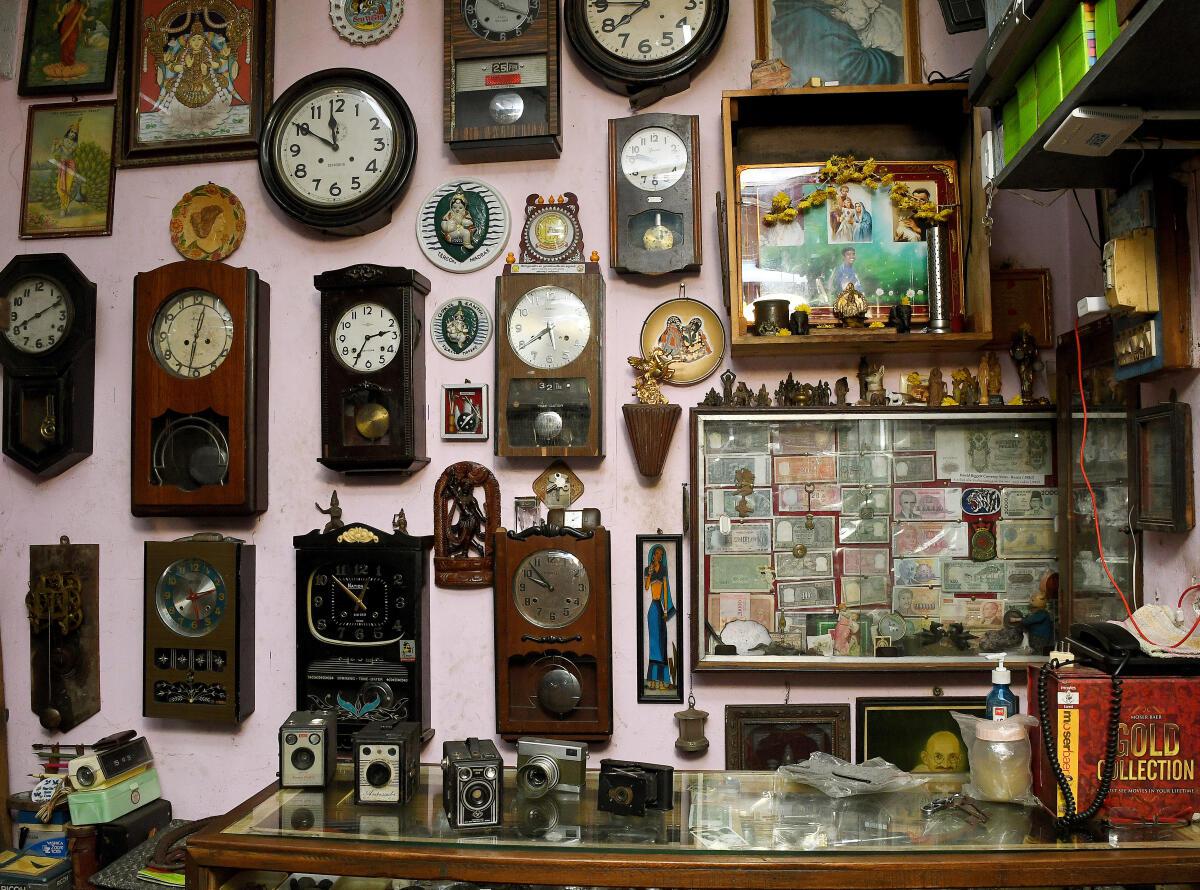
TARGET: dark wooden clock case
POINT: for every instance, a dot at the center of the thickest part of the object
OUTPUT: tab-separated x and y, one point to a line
236	392
631	211
540	140
65	375
232	639
400	387
525	652
325	671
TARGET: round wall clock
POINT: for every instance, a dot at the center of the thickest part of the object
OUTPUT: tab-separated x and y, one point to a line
208	223
463	225
461	328
337	151
365	21
191	597
690	333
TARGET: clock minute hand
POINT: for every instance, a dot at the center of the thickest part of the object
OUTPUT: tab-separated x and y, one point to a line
305	130
628	17
540	579
350	593
37	315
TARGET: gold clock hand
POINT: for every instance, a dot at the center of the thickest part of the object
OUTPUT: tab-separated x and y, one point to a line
350	593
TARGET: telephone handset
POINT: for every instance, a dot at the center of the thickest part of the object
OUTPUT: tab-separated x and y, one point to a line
1113	649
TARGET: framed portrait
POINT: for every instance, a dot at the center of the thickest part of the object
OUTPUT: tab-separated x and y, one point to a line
1164	468
70	47
1022	296
857	237
916	734
198	80
67	186
464	410
841	41
770	736
660	618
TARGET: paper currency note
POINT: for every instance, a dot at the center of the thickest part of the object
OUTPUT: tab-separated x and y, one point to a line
864	469
927	503
991	453
725	502
749	537
804	438
809	595
790	532
965	576
1022	539
726	607
737	574
866	561
916	602
913	435
736	436
863	531
923	570
913	468
723	470
1023	577
1029	503
877	501
813	564
803	468
930	539
857	436
869	590
984	613
825	498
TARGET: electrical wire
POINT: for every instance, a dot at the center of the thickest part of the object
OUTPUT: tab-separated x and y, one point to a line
1087	222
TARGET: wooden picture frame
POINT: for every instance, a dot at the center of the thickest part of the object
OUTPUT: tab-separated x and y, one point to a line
895	729
59	179
177	118
659	580
66	51
817	25
752	731
1163	468
456	397
1022	296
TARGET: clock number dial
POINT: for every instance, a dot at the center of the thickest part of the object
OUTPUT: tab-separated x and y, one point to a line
500	20
654	159
645	30
356	604
549	327
551	588
40	315
192	334
191	597
365	337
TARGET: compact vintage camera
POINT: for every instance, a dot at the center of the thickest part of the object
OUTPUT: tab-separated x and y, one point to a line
386	762
545	765
308	749
113	760
629	789
472	783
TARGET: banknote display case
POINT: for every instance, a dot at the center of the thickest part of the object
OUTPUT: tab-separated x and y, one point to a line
872	539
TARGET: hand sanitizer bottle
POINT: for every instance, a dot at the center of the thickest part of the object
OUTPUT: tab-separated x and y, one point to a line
1001	702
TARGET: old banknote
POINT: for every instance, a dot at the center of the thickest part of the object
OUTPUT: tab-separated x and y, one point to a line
866	561
921	570
991	453
913	468
794	530
813	564
804	438
1024	539
726	607
736	437
727	502
864	469
852	530
927	503
916	602
930	539
913	435
865	590
801	468
873	501
965	576
747	537
856	436
1029	503
823	498
807	595
972	610
749	574
723	470
1025	576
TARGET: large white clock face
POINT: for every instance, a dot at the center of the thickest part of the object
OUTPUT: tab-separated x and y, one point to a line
654	159
39	315
500	19
365	338
551	588
335	146
646	30
549	327
192	334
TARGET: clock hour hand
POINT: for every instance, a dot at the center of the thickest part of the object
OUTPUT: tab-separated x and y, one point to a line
540	579
539	335
333	130
358	354
502	5
37	315
305	130
196	338
358	601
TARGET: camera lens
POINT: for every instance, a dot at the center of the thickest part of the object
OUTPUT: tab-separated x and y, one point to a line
85	776
477	795
378	774
303	758
538	776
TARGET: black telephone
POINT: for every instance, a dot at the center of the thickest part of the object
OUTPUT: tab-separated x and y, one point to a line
1113	649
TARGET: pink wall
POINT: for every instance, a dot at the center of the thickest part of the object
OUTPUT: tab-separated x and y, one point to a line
205	770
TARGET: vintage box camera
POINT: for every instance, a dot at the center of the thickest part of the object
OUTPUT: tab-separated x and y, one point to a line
386	762
545	765
629	789
472	783
308	749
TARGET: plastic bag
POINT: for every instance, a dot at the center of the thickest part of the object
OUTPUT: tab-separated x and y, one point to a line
837	778
1000	756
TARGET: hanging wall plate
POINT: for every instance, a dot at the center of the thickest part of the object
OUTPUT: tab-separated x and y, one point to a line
461	328
365	21
691	335
208	223
463	225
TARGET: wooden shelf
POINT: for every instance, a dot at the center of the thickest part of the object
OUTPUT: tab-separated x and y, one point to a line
847	341
1011	51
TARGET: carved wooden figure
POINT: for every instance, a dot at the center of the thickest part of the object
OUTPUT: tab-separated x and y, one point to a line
463	531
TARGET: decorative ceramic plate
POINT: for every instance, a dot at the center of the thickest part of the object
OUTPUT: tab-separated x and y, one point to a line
365	21
460	328
463	225
208	223
690	333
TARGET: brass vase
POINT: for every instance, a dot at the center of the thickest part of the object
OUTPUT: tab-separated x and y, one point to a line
651	428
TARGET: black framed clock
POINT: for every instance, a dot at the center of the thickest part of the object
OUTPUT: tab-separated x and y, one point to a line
646	49
337	151
362	625
199	629
654	179
373	369
48	351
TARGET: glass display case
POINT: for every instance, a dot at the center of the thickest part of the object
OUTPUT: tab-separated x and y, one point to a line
871	539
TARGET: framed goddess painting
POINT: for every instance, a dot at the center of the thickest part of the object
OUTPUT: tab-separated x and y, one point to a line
70	47
68	181
660	619
197	80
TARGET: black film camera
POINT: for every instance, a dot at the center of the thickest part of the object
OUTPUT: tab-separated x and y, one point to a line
629	788
472	783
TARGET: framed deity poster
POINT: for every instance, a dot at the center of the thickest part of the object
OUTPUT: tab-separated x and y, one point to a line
67	186
659	617
197	80
70	47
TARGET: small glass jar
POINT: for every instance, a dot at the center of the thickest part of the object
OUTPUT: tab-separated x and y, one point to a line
1000	761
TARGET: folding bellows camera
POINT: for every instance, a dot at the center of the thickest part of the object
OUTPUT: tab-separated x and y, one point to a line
630	789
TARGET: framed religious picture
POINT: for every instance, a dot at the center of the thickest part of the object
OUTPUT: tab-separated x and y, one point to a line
771	736
464	410
67	187
917	734
70	47
198	80
660	618
843	42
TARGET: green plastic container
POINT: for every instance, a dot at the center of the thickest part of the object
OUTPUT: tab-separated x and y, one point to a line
1027	105
95	807
1107	27
1049	82
1011	116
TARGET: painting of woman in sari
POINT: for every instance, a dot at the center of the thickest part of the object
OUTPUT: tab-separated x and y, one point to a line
70	47
659	642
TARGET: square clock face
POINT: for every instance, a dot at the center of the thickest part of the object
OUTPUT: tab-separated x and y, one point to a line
356	603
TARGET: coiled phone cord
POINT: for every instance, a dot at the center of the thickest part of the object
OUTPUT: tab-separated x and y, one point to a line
1071	819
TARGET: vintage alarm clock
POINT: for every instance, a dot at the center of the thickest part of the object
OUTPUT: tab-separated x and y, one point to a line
48	351
199	629
362	625
373	369
553	633
200	360
654	179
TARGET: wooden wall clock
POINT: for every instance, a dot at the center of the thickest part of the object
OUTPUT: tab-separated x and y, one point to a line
553	633
373	369
200	359
501	80
199	629
48	351
653	183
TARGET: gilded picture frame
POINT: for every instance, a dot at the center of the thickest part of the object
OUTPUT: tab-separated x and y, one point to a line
770	736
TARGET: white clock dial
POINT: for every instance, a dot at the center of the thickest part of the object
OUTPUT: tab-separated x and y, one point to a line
335	146
646	30
500	19
192	334
654	159
549	327
365	338
40	315
551	588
